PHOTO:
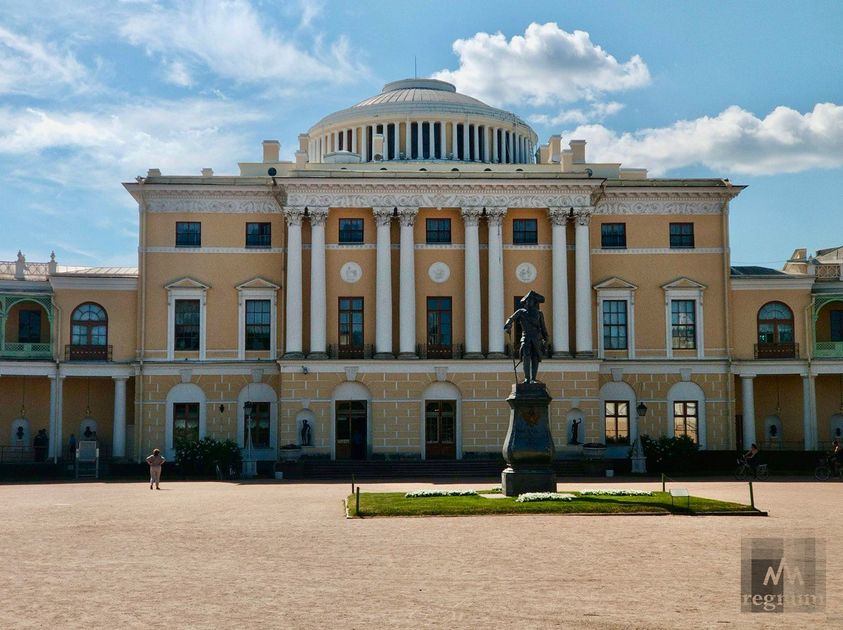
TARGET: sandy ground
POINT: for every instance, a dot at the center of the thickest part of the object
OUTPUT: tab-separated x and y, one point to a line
282	555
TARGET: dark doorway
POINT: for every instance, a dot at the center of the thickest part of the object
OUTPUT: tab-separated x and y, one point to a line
440	431
351	429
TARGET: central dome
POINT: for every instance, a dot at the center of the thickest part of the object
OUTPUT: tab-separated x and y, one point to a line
421	119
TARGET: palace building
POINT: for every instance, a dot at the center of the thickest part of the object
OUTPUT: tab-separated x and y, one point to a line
363	288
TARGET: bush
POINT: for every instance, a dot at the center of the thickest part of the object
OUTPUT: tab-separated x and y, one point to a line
201	458
668	453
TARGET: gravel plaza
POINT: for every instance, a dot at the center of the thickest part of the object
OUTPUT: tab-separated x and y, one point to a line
282	555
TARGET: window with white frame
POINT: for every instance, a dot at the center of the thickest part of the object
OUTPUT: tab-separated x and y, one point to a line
614	325
186	306
257	317
686	419
683	331
616	319
684	318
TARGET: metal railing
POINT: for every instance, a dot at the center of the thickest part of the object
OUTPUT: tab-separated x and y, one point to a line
828	349
16	454
87	353
350	352
18	350
440	351
776	350
828	273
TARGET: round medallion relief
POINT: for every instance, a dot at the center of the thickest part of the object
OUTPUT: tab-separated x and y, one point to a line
351	272
439	272
526	272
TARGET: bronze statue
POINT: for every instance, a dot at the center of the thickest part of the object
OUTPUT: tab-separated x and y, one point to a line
533	333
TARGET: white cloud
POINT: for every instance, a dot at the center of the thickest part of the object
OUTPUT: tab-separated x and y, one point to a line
31	67
233	41
178	74
546	65
734	141
596	112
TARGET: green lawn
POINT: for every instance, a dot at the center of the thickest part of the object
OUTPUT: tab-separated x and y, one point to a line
396	504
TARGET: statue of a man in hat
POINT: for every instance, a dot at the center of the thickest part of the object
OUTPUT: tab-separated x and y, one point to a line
533	333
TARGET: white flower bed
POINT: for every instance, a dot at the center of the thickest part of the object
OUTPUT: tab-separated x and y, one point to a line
617	493
529	497
415	494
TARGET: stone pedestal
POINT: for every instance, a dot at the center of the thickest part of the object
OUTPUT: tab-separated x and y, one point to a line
528	447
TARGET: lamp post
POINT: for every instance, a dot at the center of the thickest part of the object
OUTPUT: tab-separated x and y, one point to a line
247	465
639	460
641	409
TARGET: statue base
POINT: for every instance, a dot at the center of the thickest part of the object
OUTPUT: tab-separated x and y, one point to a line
528	447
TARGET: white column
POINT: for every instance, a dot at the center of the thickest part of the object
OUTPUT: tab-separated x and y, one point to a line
431	149
396	140
494	220
454	144
495	157
55	445
354	140
364	146
748	411
118	448
471	217
441	140
561	342
583	284
407	286
466	145
486	144
318	291
419	145
475	155
293	347
408	140
383	285
809	416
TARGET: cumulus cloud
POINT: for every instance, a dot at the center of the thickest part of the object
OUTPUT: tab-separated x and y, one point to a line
30	67
546	65
95	150
734	141
596	112
231	40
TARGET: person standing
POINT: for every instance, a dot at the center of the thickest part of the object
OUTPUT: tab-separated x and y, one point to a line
155	462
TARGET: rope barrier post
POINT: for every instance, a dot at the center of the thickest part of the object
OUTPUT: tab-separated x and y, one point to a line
751	497
663	490
358	501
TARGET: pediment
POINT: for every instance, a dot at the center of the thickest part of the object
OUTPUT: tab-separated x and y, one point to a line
258	283
186	283
684	283
615	283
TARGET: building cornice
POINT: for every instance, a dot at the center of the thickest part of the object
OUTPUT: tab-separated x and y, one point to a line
94	284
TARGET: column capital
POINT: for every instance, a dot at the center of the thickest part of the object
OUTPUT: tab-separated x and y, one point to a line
495	215
407	215
471	214
294	214
559	215
120	377
318	215
583	216
383	214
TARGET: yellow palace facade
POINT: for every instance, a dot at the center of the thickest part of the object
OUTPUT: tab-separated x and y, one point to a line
356	297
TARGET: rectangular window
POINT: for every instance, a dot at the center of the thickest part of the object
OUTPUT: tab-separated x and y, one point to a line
350	324
685	419
258	235
187	325
617	421
525	231
683	324
438	230
351	231
29	326
681	234
836	325
258	319
612	235
185	422
259	421
614	324
188	234
439	328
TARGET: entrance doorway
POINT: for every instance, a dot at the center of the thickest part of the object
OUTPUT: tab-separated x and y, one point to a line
351	429
440	429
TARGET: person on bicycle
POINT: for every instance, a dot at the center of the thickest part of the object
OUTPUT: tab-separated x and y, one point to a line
752	459
836	456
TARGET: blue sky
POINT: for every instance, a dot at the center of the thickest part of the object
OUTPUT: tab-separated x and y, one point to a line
93	93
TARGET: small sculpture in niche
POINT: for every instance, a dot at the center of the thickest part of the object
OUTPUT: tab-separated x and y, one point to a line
774	430
575	430
305	433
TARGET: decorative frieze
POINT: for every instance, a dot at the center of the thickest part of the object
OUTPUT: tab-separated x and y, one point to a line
221	201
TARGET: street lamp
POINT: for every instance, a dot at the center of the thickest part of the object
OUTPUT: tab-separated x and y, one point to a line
247	412
641	409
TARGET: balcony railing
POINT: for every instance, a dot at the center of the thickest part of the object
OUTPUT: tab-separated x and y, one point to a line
828	273
350	352
18	350
87	353
828	350
440	351
776	350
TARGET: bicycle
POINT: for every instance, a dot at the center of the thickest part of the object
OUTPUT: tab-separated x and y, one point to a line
825	469
744	471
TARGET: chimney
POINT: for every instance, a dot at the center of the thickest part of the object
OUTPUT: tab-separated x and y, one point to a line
301	159
377	147
555	149
578	147
567	160
303	139
271	150
154	172
207	172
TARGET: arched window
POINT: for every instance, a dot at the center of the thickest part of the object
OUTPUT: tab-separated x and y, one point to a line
775	330
88	333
